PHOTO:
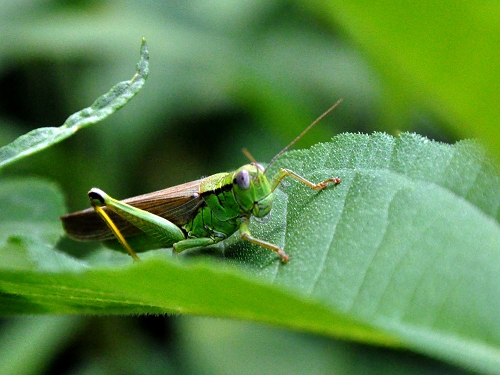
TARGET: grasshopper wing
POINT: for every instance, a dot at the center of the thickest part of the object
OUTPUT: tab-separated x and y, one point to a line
177	204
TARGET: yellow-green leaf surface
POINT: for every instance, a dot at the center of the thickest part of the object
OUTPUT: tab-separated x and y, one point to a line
404	252
443	55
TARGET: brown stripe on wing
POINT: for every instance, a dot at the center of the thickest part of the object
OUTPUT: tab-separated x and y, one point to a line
177	204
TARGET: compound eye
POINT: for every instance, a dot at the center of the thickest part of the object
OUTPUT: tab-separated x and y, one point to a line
242	179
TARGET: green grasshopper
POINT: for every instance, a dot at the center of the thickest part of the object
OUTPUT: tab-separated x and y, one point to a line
194	214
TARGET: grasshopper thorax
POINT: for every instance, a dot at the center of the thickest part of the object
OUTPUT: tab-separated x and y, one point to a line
252	189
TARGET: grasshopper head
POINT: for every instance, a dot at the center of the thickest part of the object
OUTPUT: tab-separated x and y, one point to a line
252	189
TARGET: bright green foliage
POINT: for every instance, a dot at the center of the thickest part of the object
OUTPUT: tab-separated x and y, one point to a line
430	67
404	252
440	55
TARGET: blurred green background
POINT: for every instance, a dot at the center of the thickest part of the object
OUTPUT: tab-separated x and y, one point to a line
225	75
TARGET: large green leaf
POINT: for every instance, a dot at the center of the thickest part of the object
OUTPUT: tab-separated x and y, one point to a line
404	252
442	55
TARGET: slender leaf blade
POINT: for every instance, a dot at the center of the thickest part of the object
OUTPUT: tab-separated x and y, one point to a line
41	138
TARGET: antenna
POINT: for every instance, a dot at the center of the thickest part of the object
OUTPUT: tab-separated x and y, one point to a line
248	155
304	132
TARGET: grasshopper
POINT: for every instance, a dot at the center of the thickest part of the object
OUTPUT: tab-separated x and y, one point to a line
194	214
